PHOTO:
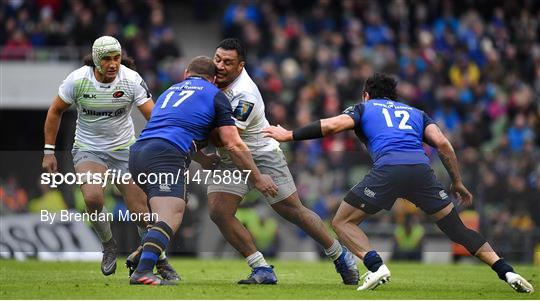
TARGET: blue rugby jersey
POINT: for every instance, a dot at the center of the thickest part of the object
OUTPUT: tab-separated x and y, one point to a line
392	131
187	112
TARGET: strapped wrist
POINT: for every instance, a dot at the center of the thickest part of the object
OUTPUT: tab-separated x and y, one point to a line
310	131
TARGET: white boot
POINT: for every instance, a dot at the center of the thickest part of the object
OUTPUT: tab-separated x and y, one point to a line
373	279
518	283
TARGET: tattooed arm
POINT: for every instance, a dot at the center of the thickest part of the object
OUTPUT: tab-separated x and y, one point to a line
434	137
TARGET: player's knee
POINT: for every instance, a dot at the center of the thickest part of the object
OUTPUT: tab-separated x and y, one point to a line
454	228
218	215
338	224
94	199
294	212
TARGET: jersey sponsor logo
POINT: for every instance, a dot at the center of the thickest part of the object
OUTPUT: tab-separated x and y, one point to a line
443	195
349	110
243	110
392	105
104	113
370	193
89	96
118	94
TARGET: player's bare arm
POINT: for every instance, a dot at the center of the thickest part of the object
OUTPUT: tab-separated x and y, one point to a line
207	161
434	137
146	108
314	130
52	123
242	158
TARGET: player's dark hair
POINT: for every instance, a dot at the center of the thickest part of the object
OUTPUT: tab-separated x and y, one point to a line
202	66
127	61
234	44
381	85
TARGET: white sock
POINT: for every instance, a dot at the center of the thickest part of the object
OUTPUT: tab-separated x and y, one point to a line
334	251
162	256
256	260
102	228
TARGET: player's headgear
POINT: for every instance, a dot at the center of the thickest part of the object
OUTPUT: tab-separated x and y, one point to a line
103	46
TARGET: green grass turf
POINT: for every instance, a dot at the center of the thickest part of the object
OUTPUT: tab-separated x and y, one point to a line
215	279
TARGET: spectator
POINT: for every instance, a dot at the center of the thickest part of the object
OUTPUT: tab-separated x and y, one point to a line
167	47
408	237
51	200
17	47
519	133
13	199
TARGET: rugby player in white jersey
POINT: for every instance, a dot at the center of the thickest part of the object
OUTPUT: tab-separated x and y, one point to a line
223	199
104	92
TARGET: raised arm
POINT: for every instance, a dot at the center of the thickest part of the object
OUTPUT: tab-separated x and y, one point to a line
434	137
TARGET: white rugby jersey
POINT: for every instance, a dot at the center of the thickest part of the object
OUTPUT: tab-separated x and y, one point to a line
104	109
248	112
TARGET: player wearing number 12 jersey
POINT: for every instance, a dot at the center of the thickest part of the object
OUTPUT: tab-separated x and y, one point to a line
394	134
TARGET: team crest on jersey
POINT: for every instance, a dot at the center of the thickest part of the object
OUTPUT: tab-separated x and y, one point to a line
243	110
118	94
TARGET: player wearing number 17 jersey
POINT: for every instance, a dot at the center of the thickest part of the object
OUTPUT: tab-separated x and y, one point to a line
184	113
394	134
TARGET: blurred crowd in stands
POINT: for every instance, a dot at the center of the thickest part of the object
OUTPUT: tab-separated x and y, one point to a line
474	66
56	29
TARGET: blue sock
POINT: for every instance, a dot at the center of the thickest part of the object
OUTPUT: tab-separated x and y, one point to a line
372	261
155	241
147	261
501	268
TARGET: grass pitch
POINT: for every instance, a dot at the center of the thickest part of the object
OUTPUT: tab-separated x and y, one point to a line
215	279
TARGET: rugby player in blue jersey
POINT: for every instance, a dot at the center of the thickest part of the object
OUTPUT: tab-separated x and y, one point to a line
394	134
183	115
